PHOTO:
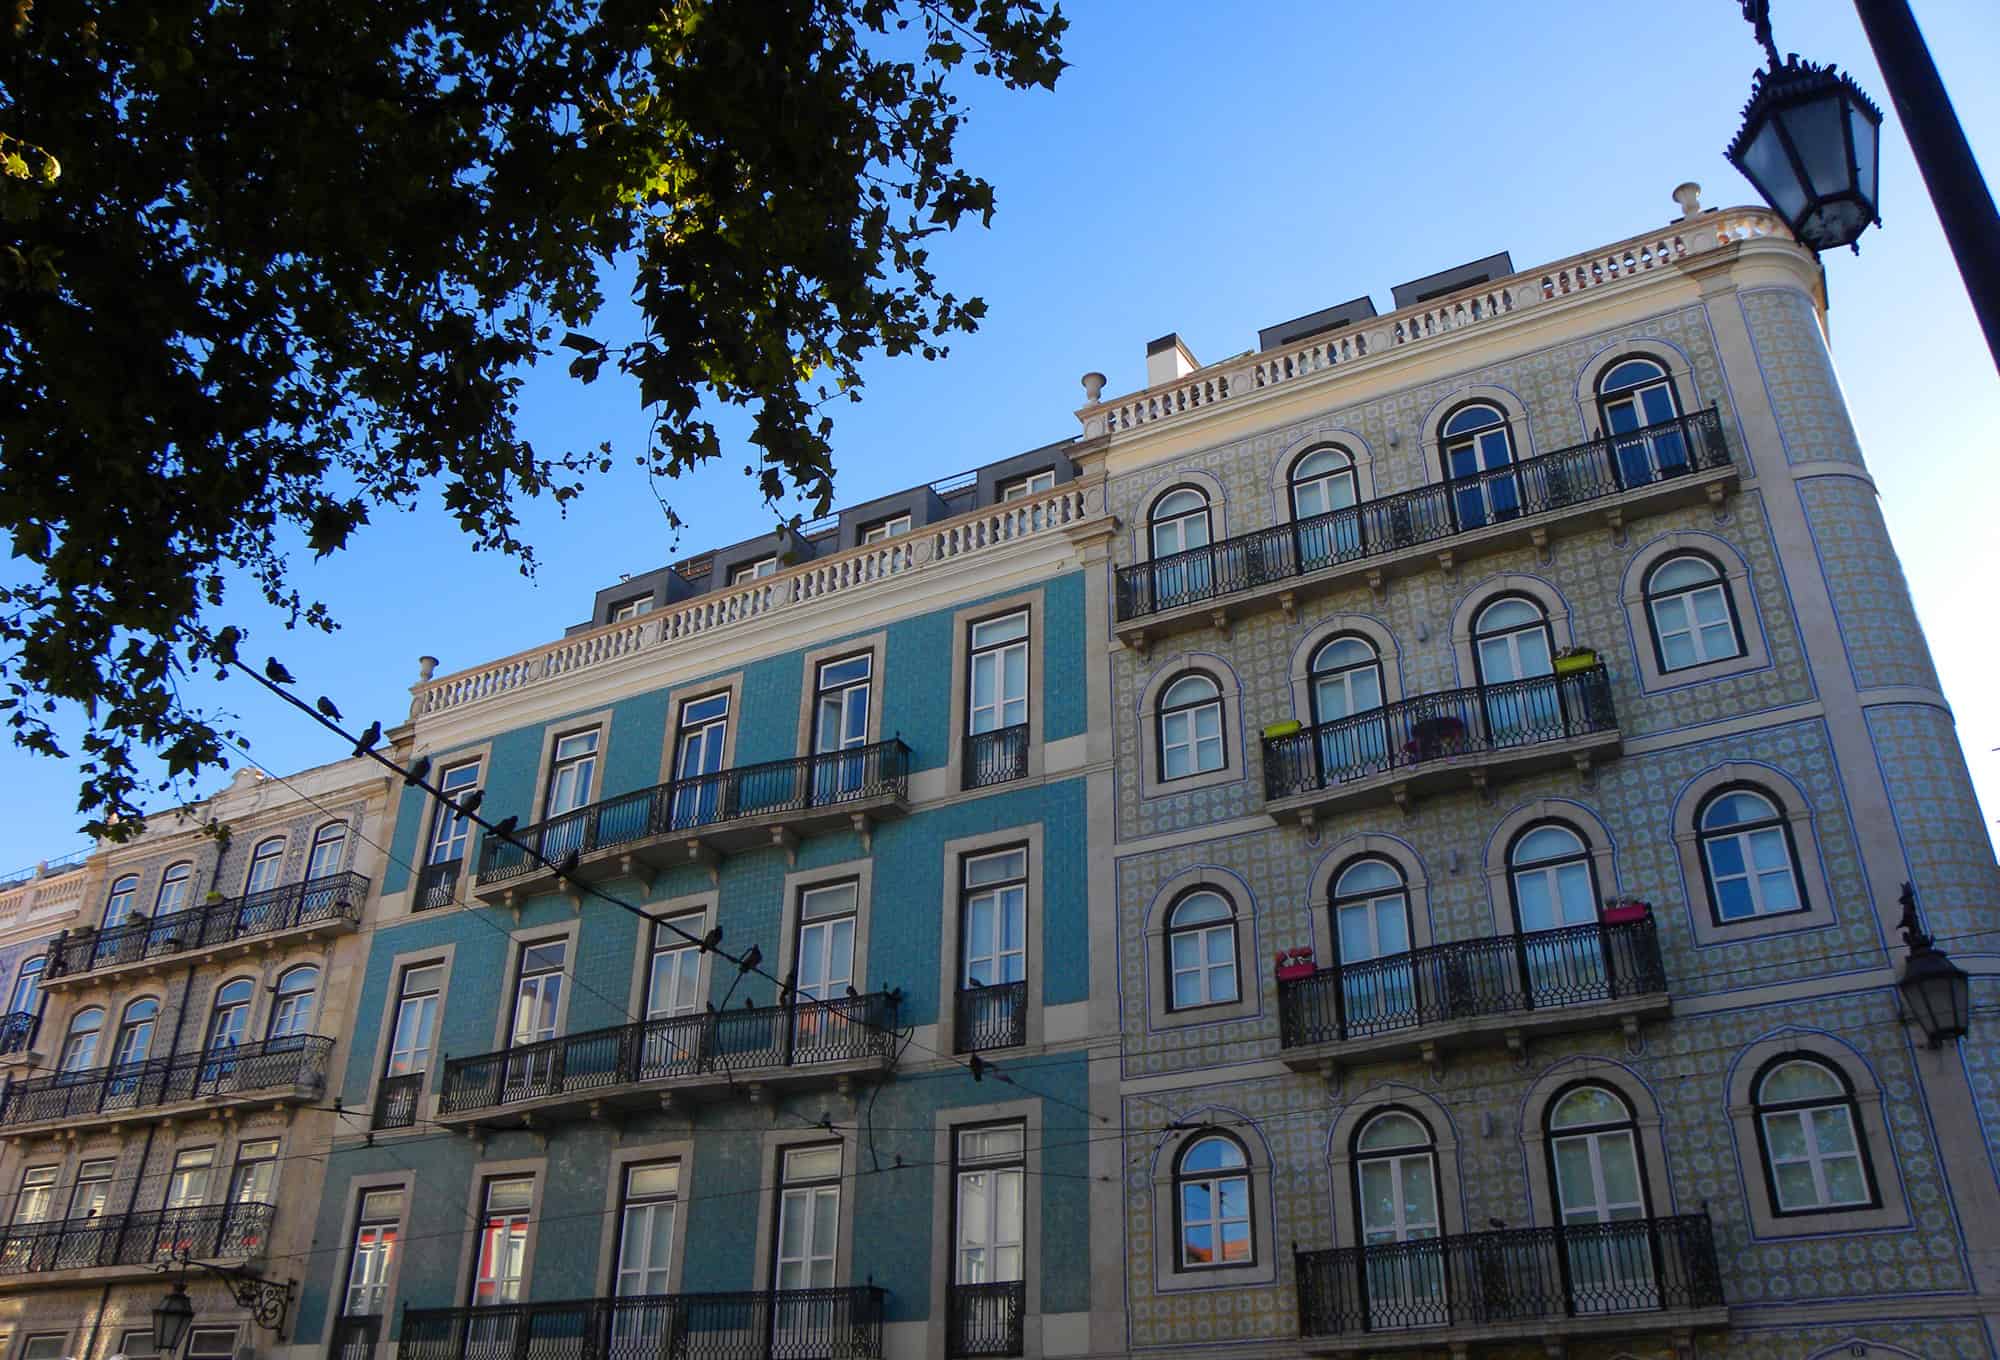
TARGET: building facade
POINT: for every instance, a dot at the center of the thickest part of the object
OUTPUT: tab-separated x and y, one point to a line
169	1103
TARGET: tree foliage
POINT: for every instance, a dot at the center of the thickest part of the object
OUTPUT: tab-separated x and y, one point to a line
270	266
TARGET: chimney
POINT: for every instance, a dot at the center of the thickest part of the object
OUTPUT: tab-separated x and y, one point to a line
1168	359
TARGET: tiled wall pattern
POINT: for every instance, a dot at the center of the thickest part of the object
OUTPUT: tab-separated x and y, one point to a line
1798	375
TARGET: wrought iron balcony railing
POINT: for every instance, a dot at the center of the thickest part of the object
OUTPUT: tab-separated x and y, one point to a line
996	757
1504	975
264	1069
689	807
208	1232
993	1016
1518	1275
437	884
396	1100
1450	725
17	1031
840	1323
1686	446
332	899
986	1319
736	1042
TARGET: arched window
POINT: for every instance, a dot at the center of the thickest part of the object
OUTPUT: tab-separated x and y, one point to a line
1191	736
135	1032
1395	1187
1808	1125
229	1017
1346	684
1636	397
1478	448
1554	886
80	1044
118	905
1747	855
1212	1202
328	846
1511	640
1178	525
292	1011
267	861
1322	481
173	894
27	998
1201	950
1692	617
1371	930
1594	1164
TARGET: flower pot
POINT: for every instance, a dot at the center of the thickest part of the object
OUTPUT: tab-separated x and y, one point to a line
1293	972
1620	912
1287	728
1577	659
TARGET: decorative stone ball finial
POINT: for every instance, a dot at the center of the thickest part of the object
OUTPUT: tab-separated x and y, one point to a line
1689	197
1093	386
426	667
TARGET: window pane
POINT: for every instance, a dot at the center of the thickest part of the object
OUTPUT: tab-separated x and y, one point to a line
807	1164
1795	1186
1844	1182
509	1195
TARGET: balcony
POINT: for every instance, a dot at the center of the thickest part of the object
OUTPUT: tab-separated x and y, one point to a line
826	1044
1626	1278
750	807
1607	480
985	1319
1456	738
437	885
129	1246
1474	992
17	1033
290	1069
996	757
272	918
994	1016
827	1324
397	1099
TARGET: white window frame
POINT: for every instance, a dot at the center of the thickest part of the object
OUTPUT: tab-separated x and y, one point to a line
747	572
1033	484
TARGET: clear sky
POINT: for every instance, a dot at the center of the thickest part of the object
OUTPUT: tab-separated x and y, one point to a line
1210	169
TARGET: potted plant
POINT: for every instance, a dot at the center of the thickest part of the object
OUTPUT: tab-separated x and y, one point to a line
1573	659
1618	910
1289	727
1294	964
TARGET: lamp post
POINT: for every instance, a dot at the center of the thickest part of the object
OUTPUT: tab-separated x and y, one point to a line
172	1316
1933	988
1809	143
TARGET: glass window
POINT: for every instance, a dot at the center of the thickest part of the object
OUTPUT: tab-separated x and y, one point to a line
267	862
1201	951
1637	400
416	1019
1594	1145
255	1180
292	1009
995	917
1179	522
37	1197
80	1045
1512	641
449	827
135	1032
754	571
646	1228
894	527
998	675
808	1234
1212	1199
538	991
188	1183
1692	617
1395	1186
1553	878
1346	683
27	999
702	735
673	984
118	905
503	1240
173	894
573	771
1371	912
376	1229
1478	457
1191	727
1031	485
1322	481
1748	855
212	1343
137	1344
231	1014
1808	1122
44	1347
626	610
329	848
825	963
842	693
989	1176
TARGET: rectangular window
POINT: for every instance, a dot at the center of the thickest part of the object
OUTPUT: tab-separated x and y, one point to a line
703	732
28	988
137	1343
38	1194
825	963
1031	485
646	1228
451	829
993	949
894	527
626	610
375	1232
212	1343
503	1240
754	571
990	1168
572	774
93	1188
808	1235
255	1180
674	981
998	675
47	1346
840	723
188	1185
538	991
416	1019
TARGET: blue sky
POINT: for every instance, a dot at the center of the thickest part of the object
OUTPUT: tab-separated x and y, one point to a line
1208	170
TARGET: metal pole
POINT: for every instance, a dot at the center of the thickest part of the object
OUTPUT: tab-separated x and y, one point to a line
1964	206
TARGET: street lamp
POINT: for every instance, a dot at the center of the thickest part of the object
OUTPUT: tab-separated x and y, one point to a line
1935	989
1808	144
171	1317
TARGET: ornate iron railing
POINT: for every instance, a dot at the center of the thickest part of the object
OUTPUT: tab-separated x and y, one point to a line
1503	975
735	1041
985	1319
1441	726
317	901
993	1016
437	884
1511	1275
243	1069
1603	467
829	779
355	1336
209	1231
396	1100
17	1030
996	757
841	1323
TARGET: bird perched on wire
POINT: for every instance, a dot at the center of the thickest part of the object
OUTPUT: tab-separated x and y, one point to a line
366	741
326	708
277	674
